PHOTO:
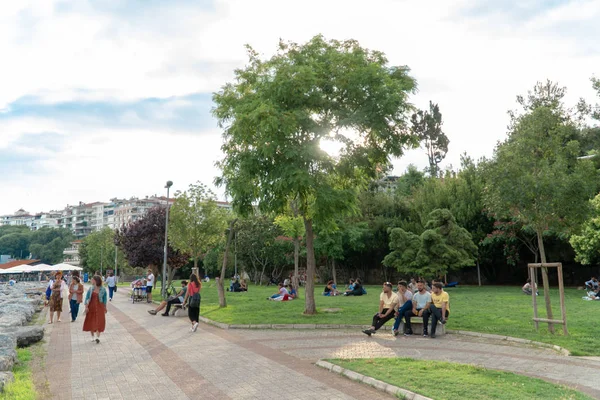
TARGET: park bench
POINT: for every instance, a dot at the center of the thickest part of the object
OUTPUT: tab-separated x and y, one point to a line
178	311
417	327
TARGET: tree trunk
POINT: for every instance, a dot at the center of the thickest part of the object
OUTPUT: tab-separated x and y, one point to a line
545	281
220	289
333	271
295	278
478	273
310	307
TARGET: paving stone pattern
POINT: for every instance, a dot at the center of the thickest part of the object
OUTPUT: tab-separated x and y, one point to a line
155	357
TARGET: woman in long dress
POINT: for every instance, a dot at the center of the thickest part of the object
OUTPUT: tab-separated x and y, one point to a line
57	287
95	309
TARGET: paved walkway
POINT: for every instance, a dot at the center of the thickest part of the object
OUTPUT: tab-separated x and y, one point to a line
153	357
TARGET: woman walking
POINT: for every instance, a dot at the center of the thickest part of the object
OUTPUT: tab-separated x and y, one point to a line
95	309
192	297
75	296
56	296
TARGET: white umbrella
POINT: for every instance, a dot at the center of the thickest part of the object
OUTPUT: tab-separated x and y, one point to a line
65	267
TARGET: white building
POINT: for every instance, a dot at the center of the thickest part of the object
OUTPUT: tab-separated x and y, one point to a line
71	254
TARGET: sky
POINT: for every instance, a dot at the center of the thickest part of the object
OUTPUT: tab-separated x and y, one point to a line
111	98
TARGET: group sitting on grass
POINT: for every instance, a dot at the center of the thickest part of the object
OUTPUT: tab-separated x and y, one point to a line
405	304
284	293
330	289
355	288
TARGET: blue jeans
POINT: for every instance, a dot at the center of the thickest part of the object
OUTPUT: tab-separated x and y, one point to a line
74	309
111	290
407	306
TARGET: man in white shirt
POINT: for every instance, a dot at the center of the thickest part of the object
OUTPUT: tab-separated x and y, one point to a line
404	305
388	303
420	303
149	284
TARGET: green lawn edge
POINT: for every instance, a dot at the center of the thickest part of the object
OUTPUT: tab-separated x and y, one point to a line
22	388
442	380
496	310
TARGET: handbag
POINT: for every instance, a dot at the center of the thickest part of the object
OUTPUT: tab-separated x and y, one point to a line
115	289
195	300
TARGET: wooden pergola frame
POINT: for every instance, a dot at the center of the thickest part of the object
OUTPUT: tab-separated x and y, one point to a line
561	290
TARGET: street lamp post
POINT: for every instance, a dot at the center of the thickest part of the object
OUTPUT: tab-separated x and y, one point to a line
164	272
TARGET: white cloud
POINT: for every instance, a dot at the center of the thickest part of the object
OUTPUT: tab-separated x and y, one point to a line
472	65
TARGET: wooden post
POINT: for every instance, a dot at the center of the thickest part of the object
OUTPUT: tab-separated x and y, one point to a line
533	276
550	320
561	291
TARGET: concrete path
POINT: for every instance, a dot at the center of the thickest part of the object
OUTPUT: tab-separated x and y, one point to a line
155	357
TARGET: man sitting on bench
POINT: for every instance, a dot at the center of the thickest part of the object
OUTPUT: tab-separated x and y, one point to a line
388	303
439	309
177	299
421	302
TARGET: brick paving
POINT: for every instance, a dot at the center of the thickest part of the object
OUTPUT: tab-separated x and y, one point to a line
153	357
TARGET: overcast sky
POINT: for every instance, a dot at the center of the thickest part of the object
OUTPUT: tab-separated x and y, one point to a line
104	98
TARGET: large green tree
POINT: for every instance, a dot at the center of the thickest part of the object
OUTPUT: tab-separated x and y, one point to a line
97	252
535	176
48	244
427	125
587	243
443	246
16	244
196	222
278	111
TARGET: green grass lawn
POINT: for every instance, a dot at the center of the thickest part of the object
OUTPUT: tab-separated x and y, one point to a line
501	310
22	388
448	381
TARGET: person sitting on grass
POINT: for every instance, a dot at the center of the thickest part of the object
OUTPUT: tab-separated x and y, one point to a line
527	288
330	289
177	299
357	289
420	303
350	286
592	284
282	295
243	286
292	292
404	304
281	291
388	303
439	309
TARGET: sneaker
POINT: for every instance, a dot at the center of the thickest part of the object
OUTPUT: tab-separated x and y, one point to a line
394	332
152	312
164	314
432	336
97	340
109	299
444	321
194	327
408	333
367	332
425	334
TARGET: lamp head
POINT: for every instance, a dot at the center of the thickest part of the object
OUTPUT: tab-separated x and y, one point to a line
169	184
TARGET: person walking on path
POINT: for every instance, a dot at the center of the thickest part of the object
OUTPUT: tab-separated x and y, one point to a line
388	303
111	282
75	296
57	288
95	309
192	297
149	284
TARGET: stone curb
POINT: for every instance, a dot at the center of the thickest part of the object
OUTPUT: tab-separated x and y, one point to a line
222	325
377	384
559	349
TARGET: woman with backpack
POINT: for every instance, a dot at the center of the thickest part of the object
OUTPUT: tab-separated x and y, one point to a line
192	297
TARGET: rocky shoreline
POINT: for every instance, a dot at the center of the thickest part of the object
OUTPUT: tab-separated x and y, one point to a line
18	305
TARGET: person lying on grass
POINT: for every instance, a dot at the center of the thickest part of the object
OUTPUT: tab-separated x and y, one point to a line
388	304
